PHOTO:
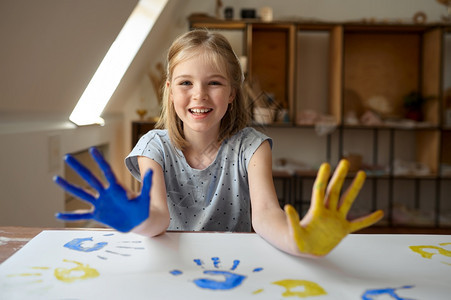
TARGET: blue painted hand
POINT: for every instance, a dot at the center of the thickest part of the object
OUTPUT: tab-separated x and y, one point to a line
112	205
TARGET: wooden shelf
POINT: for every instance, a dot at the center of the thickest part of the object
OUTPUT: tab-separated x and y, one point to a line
359	62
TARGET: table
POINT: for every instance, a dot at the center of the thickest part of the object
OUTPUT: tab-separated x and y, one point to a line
93	264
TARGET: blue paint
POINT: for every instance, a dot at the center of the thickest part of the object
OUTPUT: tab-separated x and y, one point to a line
135	242
127	247
109	234
121	254
176	272
236	262
231	280
370	294
112	206
199	262
257	270
77	244
216	262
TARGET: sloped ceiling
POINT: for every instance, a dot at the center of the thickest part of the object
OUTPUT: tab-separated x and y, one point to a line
51	48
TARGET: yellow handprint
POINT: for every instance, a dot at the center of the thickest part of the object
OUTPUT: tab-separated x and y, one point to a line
425	254
325	224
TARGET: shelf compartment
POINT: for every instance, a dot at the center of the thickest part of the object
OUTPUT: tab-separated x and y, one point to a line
318	73
384	66
271	53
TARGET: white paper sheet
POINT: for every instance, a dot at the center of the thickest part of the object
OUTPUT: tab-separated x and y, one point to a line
111	265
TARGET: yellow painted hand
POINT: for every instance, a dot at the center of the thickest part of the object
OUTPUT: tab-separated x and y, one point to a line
325	224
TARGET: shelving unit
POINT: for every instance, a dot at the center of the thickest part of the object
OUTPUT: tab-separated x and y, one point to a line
357	64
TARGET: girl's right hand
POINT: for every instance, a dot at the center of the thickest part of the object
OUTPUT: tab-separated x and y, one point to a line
112	205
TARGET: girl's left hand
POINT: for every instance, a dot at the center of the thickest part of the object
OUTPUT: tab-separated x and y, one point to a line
112	206
325	224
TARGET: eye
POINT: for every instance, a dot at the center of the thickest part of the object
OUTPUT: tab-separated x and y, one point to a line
185	82
215	83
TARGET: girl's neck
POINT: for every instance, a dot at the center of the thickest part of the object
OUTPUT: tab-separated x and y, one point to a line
202	150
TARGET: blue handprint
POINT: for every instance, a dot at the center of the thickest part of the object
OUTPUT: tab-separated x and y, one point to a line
368	295
77	244
87	245
230	279
112	206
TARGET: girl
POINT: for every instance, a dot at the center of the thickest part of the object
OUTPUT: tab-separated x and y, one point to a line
210	170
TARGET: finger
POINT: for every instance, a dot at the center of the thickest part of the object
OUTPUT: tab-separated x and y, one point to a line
319	186
74	190
103	164
351	193
83	172
74	216
335	185
293	219
147	183
366	221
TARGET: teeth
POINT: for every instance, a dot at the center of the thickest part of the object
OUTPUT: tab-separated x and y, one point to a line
200	110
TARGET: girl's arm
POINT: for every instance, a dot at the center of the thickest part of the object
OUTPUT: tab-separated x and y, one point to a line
268	219
324	225
158	220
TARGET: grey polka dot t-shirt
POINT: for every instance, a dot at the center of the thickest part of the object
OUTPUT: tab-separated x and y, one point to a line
213	199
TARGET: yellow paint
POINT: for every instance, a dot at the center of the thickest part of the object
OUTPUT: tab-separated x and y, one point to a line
40	268
425	254
257	291
310	288
326	224
65	275
25	274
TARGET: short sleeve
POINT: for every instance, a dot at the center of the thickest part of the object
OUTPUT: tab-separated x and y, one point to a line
150	145
251	139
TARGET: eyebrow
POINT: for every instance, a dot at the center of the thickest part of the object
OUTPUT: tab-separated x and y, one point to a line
212	76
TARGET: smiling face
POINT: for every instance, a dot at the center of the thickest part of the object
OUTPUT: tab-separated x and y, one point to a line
200	92
209	54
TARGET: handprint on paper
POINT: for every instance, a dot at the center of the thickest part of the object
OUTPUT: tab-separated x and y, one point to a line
426	254
88	245
77	244
221	279
441	251
369	294
79	272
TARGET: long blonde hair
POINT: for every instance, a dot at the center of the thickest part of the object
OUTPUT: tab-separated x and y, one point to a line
220	53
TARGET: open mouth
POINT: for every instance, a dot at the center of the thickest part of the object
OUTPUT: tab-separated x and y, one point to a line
200	111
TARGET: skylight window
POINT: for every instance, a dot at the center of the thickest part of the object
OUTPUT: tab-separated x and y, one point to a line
116	62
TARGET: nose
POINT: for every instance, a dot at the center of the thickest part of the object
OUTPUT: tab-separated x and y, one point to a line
200	92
